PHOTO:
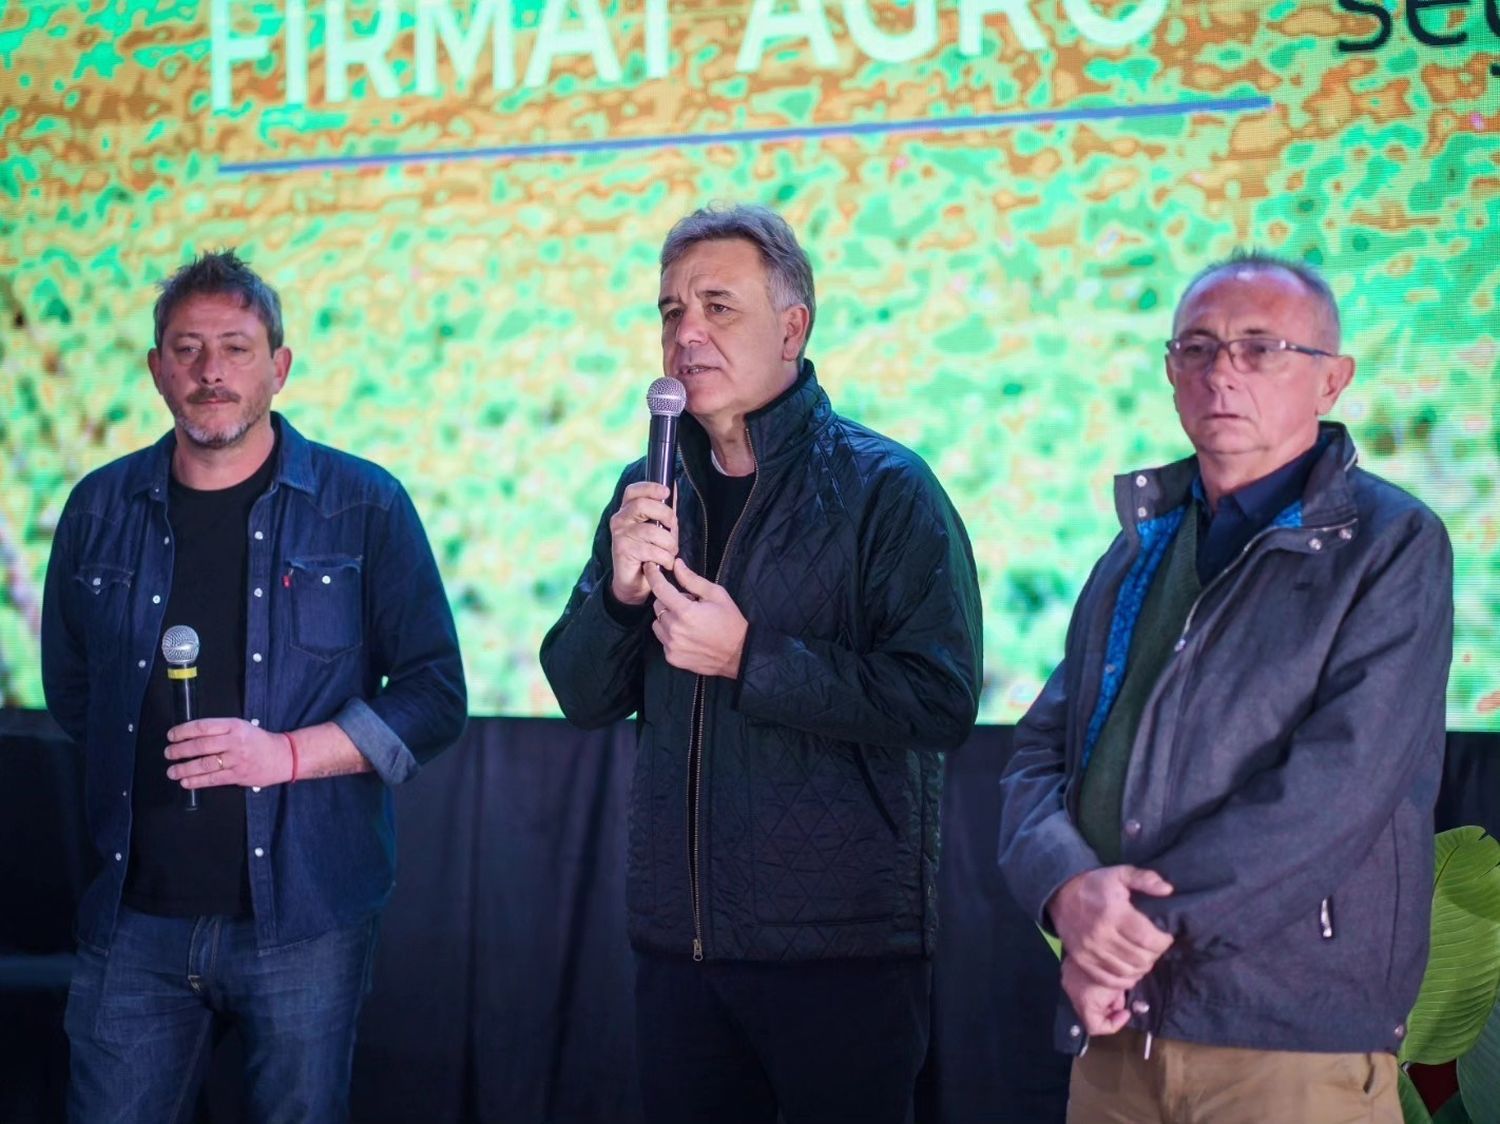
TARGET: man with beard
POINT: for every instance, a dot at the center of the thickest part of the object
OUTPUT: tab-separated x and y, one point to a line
329	671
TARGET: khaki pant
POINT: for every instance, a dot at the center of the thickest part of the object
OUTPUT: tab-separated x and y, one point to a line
1185	1083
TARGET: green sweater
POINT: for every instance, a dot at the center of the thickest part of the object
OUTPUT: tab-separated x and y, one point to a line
1173	591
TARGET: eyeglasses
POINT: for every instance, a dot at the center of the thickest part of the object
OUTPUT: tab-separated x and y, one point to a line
1252	355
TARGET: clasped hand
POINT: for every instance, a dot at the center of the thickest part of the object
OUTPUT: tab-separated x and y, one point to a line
1108	944
700	627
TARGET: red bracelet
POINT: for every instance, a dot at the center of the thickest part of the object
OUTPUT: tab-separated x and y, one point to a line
293	747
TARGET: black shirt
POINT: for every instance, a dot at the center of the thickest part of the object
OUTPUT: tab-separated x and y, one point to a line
182	863
1244	513
724	499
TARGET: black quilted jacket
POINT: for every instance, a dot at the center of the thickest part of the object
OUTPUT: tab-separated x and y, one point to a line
817	790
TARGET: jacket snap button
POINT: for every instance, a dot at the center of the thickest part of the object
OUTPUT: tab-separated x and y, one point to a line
1346	534
1315	544
1140	481
1400	1030
1075	1031
1132	828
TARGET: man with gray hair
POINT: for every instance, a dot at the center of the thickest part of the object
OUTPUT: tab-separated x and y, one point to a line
1222	800
247	852
797	626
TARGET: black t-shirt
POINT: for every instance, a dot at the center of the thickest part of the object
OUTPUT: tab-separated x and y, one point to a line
724	501
182	863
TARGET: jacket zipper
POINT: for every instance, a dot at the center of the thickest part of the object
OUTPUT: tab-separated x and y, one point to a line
1244	550
1234	565
694	791
1325	917
700	707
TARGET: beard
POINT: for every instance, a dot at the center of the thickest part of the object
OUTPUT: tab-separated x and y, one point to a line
226	432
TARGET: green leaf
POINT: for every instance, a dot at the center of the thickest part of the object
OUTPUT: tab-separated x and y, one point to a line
1479	1074
1052	942
1463	970
1413	1110
1452	1113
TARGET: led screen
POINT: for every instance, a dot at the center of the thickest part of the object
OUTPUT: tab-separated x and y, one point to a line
461	201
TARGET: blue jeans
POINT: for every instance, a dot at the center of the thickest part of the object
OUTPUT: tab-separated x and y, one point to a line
139	1019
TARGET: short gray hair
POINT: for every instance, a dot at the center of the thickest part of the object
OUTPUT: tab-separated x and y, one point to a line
787	268
1262	261
220	272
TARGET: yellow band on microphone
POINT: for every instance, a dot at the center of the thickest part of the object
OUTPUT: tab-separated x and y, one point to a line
182	673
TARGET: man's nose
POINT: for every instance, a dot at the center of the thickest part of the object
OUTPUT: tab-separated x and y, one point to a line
691	328
1222	369
211	367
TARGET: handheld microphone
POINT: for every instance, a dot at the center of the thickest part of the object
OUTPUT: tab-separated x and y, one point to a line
179	647
665	398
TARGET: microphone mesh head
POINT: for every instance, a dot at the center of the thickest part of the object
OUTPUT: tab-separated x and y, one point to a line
180	645
666	396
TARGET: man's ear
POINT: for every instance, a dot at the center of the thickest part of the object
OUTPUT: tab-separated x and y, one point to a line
1333	381
282	359
795	323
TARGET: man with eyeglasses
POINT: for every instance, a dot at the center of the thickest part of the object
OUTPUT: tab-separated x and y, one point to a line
1221	802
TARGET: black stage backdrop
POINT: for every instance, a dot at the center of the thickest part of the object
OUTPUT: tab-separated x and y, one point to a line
503	981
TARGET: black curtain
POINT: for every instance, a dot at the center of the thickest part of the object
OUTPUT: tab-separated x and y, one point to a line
503	979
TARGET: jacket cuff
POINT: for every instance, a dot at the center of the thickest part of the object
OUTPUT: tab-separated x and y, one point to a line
626	616
387	754
1048	864
738	682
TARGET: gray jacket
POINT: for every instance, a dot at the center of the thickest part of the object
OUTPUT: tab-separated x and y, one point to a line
1284	771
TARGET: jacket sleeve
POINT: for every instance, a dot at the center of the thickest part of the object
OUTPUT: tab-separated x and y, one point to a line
595	661
1290	835
917	682
1040	846
65	667
422	705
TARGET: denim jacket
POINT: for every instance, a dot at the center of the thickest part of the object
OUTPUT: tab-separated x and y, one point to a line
346	621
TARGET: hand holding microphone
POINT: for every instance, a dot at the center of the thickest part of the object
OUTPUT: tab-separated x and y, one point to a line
644	531
215	751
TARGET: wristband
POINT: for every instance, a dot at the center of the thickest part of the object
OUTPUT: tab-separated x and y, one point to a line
292	745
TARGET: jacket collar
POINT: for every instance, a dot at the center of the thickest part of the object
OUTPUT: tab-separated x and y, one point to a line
1150	493
782	427
152	472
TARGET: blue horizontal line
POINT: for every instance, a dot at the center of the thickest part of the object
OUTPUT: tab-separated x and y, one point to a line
755	136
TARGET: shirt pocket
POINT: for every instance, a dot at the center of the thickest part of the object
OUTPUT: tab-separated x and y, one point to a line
104	593
327	596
